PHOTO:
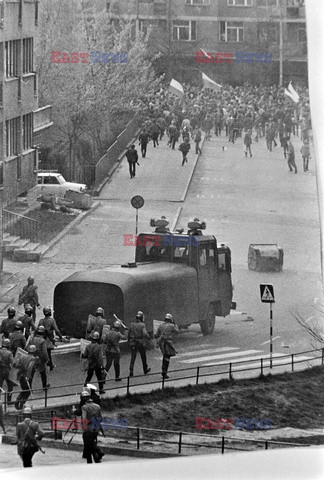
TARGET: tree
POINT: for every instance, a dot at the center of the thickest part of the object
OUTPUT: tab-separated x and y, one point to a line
88	97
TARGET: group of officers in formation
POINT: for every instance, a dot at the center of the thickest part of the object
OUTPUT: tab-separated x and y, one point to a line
102	346
36	343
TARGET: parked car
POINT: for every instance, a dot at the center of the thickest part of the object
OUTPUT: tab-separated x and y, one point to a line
53	183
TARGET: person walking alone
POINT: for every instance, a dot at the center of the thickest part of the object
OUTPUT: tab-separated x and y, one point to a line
28	433
184	147
164	335
29	296
248	142
132	158
291	157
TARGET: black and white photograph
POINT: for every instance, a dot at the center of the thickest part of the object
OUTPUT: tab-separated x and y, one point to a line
161	239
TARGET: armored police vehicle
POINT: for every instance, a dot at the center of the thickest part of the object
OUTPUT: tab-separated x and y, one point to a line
187	275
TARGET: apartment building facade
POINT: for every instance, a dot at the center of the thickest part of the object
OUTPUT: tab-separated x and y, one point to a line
21	121
179	28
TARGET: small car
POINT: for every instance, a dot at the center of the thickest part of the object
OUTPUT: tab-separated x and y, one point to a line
53	183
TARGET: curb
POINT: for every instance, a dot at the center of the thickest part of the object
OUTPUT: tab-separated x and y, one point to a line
66	230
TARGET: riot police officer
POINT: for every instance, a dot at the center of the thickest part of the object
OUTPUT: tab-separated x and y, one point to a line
113	351
50	327
164	335
8	324
136	336
27	320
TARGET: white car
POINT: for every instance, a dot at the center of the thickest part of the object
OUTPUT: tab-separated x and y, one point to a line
53	183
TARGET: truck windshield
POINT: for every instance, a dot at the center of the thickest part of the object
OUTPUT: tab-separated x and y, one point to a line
162	248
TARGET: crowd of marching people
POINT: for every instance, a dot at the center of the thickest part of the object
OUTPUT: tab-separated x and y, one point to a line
245	113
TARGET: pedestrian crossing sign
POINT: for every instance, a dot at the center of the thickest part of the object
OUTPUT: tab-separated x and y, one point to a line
267	293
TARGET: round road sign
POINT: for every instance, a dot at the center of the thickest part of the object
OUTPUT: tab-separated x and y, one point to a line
137	201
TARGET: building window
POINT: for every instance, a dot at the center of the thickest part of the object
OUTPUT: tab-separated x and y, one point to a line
268	33
36	12
197	2
231	31
28	55
145	25
184	30
19	168
1	13
302	35
12	136
239	3
20	13
12	55
267	3
27	131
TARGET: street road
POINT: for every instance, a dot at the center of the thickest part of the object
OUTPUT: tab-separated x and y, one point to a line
243	200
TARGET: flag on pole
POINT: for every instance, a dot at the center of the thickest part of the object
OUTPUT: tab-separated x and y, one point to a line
209	83
289	94
176	88
293	92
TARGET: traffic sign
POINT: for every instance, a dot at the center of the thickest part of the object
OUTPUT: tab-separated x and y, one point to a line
137	201
267	293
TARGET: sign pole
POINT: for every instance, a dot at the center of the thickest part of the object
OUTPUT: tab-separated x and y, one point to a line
271	335
136	221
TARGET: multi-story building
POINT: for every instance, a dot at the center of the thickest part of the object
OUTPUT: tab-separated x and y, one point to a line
179	28
21	121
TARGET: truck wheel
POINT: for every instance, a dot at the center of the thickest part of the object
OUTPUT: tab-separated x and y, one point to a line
208	324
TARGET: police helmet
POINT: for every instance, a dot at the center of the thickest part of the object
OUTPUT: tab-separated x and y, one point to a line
140	315
96	336
47	311
117	325
85	393
40	329
6	343
19	325
99	311
31	348
27	411
28	308
168	317
11	312
30	280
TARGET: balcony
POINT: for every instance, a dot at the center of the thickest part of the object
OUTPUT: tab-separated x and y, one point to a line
42	118
295	9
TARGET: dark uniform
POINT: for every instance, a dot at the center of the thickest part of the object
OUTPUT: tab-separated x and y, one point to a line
132	158
50	327
17	340
291	157
29	296
113	351
26	370
143	139
93	353
28	432
91	413
165	333
8	324
6	361
136	336
28	321
42	356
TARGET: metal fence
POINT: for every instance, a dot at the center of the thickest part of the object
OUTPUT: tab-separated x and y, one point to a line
177	377
19	225
141	437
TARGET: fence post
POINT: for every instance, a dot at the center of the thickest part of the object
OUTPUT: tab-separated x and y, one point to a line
197	376
46	397
322	356
292	362
180	440
261	366
266	445
230	370
223	444
138	437
5	401
127	388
